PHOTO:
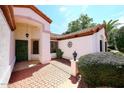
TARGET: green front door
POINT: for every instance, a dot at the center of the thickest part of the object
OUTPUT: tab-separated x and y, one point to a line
21	50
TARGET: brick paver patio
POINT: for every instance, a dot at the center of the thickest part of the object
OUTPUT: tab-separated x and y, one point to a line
43	76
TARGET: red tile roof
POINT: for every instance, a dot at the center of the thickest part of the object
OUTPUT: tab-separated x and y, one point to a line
84	32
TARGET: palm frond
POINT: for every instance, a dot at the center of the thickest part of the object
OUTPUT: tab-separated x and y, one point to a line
110	21
114	22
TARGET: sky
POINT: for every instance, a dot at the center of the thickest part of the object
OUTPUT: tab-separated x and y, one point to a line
62	15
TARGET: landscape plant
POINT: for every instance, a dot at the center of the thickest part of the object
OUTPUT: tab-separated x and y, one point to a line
59	53
111	29
103	69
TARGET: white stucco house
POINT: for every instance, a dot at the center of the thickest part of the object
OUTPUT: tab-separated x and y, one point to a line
24	35
87	41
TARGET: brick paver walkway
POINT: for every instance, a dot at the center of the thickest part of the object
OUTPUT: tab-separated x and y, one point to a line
49	76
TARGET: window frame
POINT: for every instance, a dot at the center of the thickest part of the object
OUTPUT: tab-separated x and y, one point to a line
53	46
32	51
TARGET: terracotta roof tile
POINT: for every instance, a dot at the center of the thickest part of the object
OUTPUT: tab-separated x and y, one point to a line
84	32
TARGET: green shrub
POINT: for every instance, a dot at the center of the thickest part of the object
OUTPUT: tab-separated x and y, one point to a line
59	53
120	39
102	69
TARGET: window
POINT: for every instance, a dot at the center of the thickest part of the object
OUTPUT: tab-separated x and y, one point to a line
54	46
35	47
100	45
105	46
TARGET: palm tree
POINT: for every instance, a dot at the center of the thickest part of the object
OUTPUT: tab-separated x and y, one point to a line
110	25
111	29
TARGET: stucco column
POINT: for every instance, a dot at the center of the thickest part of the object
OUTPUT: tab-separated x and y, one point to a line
45	47
74	68
29	41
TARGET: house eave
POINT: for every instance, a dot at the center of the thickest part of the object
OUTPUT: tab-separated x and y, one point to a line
9	15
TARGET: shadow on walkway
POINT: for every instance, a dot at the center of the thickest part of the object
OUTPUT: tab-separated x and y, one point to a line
64	61
25	73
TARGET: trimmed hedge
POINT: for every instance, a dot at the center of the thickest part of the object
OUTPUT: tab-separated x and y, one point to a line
103	69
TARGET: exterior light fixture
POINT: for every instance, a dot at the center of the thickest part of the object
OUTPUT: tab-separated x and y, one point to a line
27	35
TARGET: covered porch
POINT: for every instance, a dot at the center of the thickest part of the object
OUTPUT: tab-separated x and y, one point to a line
32	35
28	42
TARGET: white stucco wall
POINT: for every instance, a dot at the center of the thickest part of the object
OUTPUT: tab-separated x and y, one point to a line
82	45
100	36
7	54
96	40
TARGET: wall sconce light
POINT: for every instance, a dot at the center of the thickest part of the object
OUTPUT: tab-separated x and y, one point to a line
27	35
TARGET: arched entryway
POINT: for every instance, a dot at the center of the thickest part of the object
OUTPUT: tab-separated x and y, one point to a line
27	39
